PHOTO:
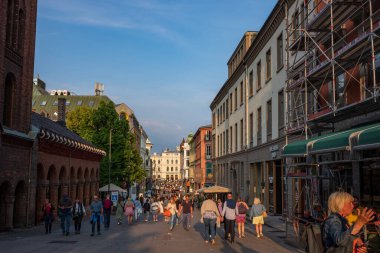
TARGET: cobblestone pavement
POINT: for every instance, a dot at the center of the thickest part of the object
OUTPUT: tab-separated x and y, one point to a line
143	237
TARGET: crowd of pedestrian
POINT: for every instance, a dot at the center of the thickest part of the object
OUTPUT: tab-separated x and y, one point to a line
341	231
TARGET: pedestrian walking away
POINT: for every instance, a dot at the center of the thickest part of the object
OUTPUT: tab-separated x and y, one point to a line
186	210
48	215
242	208
96	208
257	215
119	211
65	207
138	209
146	208
78	213
107	205
229	213
129	210
210	214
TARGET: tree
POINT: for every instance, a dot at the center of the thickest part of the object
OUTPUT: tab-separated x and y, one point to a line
96	127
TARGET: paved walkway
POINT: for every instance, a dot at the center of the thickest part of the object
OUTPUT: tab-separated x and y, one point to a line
144	237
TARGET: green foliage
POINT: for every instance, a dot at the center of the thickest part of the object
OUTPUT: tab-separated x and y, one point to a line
98	126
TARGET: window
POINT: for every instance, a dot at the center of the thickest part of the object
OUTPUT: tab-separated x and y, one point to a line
167	168
269	120
227	142
241	134
172	162
8	100
241	93
236	137
187	163
236	99
79	103
259	75
269	65
251	129
250	83
91	103
231	134
227	111
281	113
43	103
259	126
176	168
224	111
280	52
213	120
176	161
230	103
171	169
158	161
167	161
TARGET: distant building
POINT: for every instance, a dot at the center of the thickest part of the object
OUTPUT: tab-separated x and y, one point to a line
166	165
202	164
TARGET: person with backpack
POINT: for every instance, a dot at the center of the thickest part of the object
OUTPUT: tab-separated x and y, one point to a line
78	213
146	208
257	215
240	218
229	213
337	235
210	214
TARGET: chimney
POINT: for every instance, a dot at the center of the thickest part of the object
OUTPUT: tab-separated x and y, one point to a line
62	111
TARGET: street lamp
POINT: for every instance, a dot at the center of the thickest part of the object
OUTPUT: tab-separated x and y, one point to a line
109	162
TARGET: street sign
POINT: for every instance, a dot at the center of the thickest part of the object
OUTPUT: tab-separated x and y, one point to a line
114	197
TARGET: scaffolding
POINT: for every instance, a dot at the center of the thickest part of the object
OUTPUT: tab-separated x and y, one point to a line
333	74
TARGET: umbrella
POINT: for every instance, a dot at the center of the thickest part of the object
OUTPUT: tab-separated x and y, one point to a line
214	189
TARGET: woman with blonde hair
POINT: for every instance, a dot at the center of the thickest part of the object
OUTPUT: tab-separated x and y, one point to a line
337	235
256	214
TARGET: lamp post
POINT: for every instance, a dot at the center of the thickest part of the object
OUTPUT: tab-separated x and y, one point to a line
109	162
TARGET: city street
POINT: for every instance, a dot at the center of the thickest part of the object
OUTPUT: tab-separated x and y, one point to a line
142	237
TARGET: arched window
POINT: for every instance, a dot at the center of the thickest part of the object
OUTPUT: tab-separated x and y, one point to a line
167	169
8	99
172	169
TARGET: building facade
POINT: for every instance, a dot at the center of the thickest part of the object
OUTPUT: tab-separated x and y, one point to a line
17	41
166	165
201	143
333	111
248	116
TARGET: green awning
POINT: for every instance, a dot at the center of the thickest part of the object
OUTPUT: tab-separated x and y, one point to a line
368	135
369	138
297	148
337	141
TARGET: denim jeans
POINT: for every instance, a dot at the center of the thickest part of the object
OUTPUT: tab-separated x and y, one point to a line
66	220
210	228
172	222
186	220
97	223
107	217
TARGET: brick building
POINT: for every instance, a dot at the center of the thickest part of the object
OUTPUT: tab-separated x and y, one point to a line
38	157
202	163
17	40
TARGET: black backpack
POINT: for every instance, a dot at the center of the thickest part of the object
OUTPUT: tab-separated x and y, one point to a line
242	209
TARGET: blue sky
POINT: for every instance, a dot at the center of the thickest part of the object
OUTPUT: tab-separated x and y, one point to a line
166	59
